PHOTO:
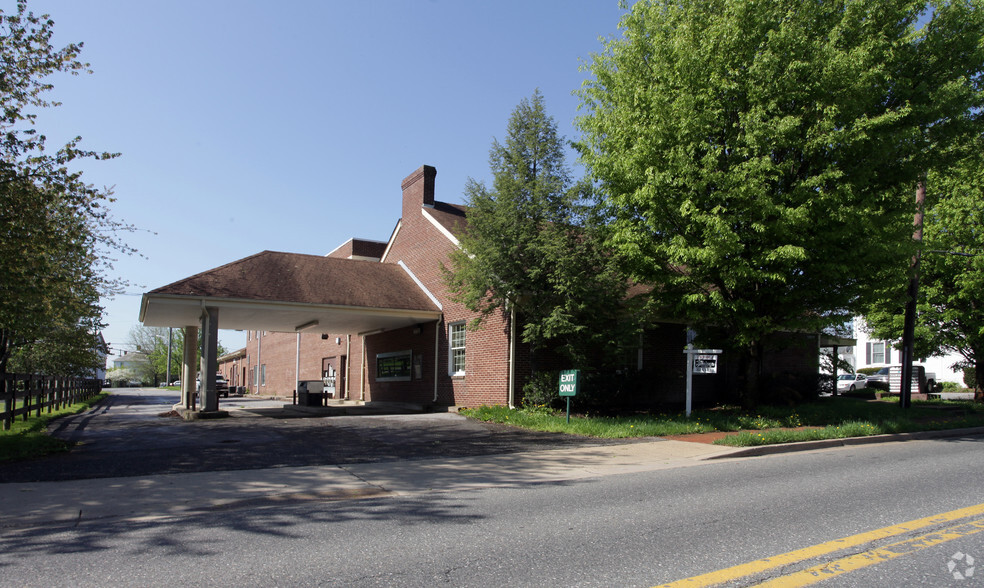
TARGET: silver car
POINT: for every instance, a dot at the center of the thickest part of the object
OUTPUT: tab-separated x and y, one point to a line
851	382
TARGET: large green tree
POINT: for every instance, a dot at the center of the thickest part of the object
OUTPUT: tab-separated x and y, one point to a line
951	272
534	245
760	158
153	343
56	235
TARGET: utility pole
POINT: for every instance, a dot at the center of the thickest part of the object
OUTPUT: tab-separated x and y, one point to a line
909	327
167	382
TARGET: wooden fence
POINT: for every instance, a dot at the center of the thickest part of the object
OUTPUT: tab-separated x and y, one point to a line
38	394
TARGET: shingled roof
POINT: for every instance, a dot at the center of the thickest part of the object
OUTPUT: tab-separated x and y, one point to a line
452	217
296	280
307	279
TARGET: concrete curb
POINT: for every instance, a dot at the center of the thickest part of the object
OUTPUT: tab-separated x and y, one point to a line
168	495
847	441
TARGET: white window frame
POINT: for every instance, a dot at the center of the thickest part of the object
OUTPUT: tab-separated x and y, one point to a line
453	328
875	353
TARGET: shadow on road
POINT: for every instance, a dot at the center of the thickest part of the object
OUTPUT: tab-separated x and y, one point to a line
126	435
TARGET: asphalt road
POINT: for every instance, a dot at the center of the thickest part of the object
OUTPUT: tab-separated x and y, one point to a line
128	436
637	529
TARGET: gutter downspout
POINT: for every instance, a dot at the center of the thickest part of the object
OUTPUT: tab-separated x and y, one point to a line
437	353
512	357
297	368
362	373
348	363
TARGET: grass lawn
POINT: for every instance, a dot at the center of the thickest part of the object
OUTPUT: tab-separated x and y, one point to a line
28	439
827	418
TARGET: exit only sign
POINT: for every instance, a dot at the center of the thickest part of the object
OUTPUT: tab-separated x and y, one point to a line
570	382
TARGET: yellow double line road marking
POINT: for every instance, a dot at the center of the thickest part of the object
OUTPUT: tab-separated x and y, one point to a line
850	563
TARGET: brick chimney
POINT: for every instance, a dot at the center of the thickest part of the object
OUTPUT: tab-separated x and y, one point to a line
418	190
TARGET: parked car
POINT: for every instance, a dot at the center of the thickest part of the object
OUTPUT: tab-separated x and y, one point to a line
221	386
879	379
851	382
176	383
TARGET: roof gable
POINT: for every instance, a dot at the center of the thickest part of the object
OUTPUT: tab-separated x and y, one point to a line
305	279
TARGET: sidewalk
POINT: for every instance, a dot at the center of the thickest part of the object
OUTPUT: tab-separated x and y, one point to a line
73	502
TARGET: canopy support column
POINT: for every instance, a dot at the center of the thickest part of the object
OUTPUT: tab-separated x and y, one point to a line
189	368
210	364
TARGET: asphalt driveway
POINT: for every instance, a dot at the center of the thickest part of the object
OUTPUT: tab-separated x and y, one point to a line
129	434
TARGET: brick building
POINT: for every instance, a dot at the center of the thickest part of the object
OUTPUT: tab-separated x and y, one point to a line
375	320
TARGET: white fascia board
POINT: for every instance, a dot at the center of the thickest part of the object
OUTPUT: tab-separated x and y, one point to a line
396	231
339	247
421	285
440	227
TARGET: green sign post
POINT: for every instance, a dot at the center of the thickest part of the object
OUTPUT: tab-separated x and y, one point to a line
570	383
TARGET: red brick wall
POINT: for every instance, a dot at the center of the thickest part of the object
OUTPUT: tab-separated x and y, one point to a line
278	351
420	342
232	368
422	247
359	249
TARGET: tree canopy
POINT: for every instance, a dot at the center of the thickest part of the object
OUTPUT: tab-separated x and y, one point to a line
760	158
533	244
56	233
152	342
951	272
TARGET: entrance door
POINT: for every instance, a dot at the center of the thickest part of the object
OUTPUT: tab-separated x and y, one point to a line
328	377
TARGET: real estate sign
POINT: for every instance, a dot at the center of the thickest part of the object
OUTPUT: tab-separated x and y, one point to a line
705	364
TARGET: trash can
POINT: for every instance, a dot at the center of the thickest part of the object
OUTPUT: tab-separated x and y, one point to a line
311	393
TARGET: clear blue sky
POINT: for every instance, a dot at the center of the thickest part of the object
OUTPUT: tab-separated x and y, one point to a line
246	125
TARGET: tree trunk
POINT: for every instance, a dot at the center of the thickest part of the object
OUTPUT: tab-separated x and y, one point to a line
4	349
979	376
752	364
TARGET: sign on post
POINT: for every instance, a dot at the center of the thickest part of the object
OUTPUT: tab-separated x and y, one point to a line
699	361
705	364
570	383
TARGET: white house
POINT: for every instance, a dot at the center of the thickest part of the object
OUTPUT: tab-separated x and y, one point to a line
879	353
132	359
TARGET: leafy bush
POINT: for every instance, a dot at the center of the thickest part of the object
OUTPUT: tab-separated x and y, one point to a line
951	386
791	388
868	370
600	392
541	390
970	377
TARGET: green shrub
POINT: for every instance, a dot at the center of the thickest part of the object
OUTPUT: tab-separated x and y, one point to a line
970	377
541	390
951	386
868	370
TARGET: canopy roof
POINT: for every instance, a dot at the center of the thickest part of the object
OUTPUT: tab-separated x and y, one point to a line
288	292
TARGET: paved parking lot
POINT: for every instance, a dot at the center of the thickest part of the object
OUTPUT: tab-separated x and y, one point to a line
127	435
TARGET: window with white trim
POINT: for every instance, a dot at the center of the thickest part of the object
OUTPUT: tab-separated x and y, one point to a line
456	349
876	352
